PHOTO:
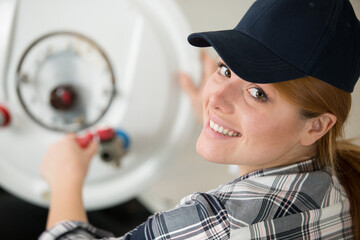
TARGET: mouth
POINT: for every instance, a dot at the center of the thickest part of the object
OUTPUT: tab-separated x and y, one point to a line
223	130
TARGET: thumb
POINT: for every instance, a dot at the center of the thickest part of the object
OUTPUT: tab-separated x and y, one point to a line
91	149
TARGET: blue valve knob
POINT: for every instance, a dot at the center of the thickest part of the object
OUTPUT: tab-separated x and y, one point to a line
125	138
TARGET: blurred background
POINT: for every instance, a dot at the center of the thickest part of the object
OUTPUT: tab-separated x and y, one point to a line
178	173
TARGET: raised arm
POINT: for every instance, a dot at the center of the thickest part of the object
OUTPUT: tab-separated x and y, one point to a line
64	167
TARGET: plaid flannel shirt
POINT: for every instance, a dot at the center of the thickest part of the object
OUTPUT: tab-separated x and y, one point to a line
299	201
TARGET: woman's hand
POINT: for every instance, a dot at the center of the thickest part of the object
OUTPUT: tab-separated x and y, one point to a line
64	167
194	92
66	163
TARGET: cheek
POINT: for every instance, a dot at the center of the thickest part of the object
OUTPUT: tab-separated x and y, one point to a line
207	91
271	130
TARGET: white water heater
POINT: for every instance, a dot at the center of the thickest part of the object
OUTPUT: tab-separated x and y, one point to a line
82	65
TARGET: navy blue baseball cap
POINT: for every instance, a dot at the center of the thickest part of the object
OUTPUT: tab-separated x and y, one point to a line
280	40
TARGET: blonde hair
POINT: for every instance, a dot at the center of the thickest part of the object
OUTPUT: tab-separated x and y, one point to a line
315	97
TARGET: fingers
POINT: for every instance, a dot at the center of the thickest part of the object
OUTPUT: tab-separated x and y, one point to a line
91	149
195	92
70	135
188	86
70	144
209	66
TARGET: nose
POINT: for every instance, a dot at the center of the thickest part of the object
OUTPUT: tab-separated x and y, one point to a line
224	97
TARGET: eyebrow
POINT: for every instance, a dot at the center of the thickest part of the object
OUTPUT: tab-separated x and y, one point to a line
222	62
272	89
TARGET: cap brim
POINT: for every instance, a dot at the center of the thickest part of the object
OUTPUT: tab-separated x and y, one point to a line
246	57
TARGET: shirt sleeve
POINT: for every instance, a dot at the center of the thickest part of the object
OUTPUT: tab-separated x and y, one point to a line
198	216
74	230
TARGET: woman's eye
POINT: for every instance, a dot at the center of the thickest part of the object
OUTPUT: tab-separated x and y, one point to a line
258	94
224	70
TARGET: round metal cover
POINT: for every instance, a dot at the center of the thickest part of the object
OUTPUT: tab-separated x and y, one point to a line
121	58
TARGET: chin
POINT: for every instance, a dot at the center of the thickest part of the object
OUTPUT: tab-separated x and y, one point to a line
209	153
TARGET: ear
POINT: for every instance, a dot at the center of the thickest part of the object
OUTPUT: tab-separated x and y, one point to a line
316	128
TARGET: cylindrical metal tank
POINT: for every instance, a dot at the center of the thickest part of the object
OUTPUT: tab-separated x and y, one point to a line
77	66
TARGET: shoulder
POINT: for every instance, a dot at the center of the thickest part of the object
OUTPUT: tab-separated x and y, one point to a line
295	205
331	222
272	196
198	215
202	206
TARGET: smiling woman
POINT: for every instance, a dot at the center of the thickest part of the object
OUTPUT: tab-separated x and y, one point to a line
260	121
276	107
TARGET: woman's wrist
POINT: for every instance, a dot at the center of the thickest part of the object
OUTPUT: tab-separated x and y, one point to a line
66	203
67	185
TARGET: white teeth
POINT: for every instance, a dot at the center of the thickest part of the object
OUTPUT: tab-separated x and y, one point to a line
222	130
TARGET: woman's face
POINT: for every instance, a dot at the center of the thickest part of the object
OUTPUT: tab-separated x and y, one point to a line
248	124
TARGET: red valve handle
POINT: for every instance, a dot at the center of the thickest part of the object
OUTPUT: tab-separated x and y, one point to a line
84	140
5	116
103	135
